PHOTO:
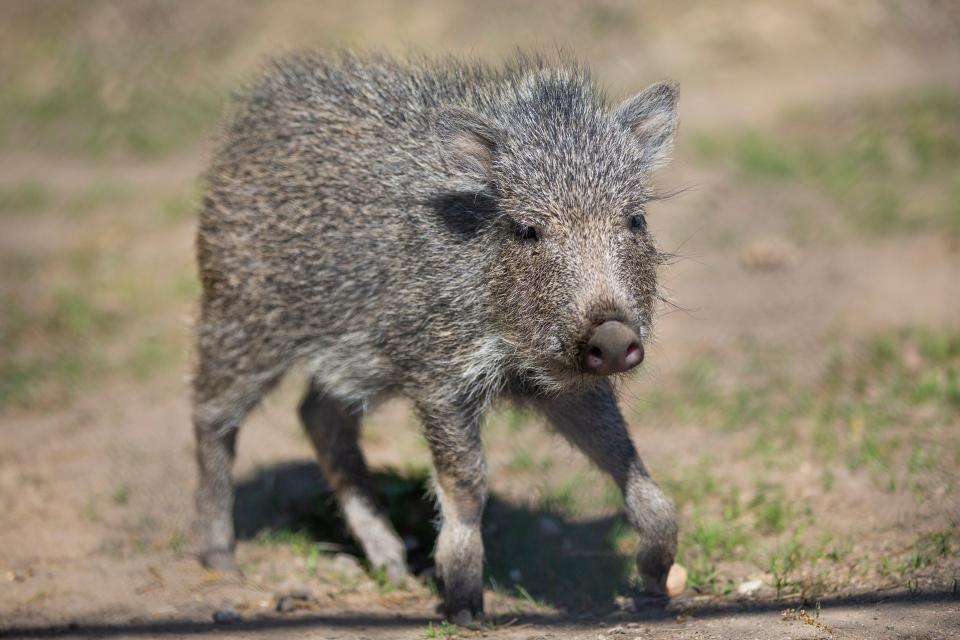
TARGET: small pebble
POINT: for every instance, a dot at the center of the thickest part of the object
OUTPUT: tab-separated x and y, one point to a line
767	254
624	604
286	604
749	587
347	565
227	615
302	593
676	580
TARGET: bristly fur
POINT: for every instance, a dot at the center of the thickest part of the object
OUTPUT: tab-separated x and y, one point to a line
361	217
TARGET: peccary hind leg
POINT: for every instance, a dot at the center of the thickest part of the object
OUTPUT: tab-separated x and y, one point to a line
460	482
334	431
216	445
592	421
219	409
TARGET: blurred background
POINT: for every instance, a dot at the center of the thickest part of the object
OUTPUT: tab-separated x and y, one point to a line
801	402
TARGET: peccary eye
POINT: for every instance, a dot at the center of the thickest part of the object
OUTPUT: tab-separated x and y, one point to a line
638	223
526	233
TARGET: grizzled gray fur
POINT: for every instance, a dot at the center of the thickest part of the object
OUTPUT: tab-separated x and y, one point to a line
444	231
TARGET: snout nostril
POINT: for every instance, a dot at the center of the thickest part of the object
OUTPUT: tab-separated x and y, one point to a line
594	359
634	354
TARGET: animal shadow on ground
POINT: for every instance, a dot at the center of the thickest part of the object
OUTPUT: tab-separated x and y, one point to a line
532	553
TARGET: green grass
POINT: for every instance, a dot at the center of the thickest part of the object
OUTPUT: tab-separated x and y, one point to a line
707	542
783	563
718	526
522	460
907	376
853	413
952	215
177	541
562	497
30	196
75	314
89	109
24	197
759	155
527	597
930	548
442	630
121	495
772	512
186	284
57	313
151	355
101	194
178	207
63	332
380	577
300	541
89	511
889	167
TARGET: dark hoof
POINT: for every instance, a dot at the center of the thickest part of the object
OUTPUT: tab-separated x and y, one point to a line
652	586
466	617
463	611
653	567
648	602
219	560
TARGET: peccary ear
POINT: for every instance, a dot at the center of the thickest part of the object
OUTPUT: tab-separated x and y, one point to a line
467	141
651	116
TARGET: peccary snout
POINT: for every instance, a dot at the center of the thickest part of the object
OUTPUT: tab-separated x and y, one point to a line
613	347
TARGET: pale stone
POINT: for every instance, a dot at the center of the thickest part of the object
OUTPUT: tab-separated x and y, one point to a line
676	580
749	587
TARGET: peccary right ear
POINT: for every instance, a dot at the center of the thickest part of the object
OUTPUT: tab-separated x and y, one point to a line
651	116
467	141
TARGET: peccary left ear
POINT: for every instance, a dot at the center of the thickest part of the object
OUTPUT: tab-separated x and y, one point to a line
468	141
651	116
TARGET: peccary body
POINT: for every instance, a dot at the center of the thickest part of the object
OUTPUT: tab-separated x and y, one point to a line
439	230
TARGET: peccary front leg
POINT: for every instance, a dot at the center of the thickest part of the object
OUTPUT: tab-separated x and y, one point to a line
460	482
592	421
334	430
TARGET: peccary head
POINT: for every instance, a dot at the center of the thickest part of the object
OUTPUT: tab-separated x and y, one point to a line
571	266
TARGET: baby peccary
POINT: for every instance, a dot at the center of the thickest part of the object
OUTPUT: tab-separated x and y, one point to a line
443	231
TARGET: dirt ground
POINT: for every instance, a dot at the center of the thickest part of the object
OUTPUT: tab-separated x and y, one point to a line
801	401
